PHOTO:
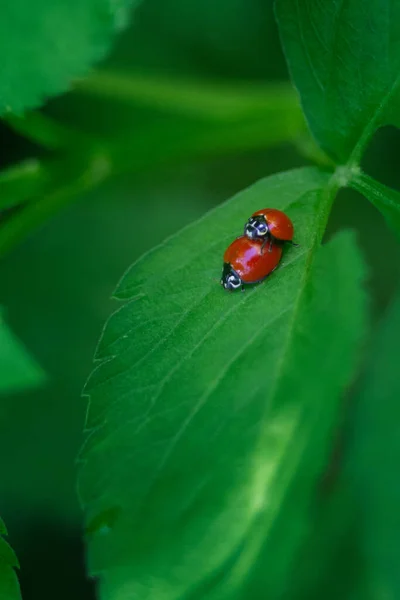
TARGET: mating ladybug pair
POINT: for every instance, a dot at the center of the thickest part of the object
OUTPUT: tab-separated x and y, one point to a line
254	255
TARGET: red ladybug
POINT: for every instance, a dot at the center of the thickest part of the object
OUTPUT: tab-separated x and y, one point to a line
269	224
245	262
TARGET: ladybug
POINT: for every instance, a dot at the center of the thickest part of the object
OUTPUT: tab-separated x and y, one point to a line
269	224
245	263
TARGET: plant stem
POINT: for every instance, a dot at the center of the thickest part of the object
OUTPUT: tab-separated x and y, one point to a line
47	132
38	212
20	182
221	101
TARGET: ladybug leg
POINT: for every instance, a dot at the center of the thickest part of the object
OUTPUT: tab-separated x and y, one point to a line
294	244
270	244
265	242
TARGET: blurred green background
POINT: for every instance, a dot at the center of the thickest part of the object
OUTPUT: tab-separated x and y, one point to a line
56	285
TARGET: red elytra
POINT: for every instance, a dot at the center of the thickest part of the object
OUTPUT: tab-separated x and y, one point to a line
247	262
278	225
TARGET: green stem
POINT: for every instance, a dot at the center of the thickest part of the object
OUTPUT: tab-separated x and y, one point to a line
376	192
38	212
386	200
47	132
219	101
20	182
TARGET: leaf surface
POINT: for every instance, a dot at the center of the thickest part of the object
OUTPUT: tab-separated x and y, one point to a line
375	455
9	586
18	371
206	404
44	45
344	58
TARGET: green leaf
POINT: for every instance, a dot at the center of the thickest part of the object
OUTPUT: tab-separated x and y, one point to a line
375	455
207	408
9	586
386	200
18	371
344	58
45	44
224	39
328	563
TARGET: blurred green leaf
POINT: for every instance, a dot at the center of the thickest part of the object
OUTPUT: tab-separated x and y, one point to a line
44	45
386	200
9	586
329	563
344	58
18	371
206	410
375	456
235	39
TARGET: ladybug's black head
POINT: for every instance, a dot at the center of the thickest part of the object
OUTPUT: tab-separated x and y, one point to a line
256	228
230	280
